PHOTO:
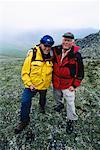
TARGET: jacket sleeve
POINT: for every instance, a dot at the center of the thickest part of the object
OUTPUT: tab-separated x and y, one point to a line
79	71
25	74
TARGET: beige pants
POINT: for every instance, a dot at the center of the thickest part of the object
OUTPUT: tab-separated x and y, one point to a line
70	98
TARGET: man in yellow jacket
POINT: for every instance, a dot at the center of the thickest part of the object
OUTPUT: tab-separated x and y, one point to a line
37	76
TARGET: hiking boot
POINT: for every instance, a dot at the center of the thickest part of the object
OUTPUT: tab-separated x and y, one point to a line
70	126
30	135
59	108
20	127
42	110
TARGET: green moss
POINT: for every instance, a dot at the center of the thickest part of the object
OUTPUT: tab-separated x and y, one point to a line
49	129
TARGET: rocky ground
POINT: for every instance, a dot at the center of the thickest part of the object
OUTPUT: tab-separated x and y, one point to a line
48	131
90	45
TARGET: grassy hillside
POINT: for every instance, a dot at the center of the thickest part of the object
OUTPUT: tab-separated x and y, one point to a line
49	130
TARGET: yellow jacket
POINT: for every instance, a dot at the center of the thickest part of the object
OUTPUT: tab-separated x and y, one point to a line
38	73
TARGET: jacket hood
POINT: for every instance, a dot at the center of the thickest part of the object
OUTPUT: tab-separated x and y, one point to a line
76	48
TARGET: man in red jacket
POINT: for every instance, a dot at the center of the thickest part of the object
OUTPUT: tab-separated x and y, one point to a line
68	72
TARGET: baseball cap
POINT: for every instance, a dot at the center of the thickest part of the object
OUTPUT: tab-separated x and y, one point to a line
68	35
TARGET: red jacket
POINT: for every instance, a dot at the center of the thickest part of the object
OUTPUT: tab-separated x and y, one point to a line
70	72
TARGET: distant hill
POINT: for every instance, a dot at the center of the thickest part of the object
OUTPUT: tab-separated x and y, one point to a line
17	43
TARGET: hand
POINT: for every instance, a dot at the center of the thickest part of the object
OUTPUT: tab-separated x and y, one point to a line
32	87
28	52
71	88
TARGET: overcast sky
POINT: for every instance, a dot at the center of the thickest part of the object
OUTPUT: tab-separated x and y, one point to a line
39	14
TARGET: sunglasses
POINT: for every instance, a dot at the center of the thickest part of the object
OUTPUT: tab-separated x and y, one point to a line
47	45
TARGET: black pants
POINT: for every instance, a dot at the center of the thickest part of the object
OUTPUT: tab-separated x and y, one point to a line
26	102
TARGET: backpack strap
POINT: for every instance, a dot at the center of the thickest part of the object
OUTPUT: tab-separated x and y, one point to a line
34	54
79	66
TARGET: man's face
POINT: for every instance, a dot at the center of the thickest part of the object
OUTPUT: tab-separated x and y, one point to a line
67	43
46	49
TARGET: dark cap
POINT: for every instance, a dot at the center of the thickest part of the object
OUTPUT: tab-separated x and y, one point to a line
68	35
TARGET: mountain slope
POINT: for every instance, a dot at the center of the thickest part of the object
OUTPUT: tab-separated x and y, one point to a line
90	45
48	132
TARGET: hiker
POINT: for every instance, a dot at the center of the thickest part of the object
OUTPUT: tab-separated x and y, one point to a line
68	72
36	75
